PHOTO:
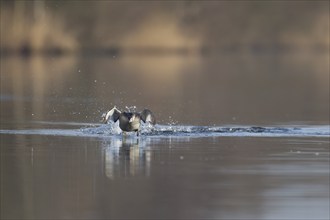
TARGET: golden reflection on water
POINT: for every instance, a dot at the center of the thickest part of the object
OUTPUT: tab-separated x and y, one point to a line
243	88
31	80
163	74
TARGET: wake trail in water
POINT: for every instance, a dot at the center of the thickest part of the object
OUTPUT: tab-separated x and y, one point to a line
165	131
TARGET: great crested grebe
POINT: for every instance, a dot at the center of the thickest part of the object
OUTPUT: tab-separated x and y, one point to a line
129	121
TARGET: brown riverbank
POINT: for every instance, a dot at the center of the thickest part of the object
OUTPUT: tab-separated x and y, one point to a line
111	27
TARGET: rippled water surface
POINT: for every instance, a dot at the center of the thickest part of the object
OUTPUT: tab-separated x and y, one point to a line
238	136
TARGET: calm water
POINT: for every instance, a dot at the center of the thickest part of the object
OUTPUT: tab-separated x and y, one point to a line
238	136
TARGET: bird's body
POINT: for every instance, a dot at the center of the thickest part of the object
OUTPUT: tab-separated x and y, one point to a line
129	121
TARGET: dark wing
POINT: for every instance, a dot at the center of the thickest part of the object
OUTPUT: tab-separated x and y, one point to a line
148	116
115	116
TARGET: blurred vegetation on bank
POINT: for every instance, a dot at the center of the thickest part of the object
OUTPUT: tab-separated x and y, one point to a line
110	27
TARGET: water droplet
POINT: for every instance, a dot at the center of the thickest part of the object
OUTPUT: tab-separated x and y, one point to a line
181	157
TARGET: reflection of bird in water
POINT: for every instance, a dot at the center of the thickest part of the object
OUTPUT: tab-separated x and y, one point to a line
129	121
125	158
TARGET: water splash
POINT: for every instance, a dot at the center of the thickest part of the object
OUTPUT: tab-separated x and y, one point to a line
111	128
178	131
131	108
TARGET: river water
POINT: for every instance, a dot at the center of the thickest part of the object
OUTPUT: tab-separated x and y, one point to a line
238	136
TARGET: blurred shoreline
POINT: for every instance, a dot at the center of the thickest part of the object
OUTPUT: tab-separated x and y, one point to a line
112	28
159	51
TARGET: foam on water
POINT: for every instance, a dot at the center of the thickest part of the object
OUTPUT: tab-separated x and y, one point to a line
164	131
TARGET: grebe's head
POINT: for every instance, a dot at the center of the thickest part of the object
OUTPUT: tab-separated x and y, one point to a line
113	115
